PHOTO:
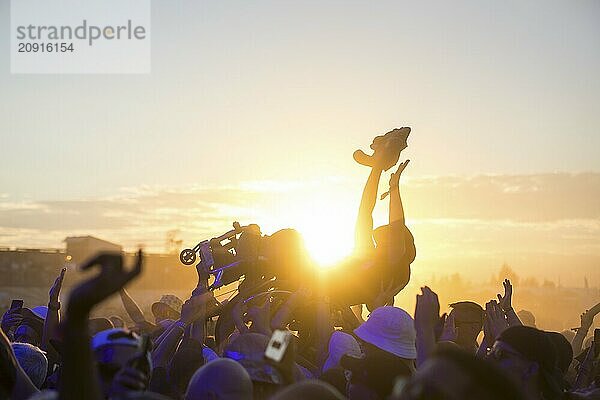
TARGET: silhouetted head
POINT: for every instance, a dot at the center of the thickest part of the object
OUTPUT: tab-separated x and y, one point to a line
112	349
564	351
468	319
388	341
285	252
248	349
373	376
456	374
222	379
528	355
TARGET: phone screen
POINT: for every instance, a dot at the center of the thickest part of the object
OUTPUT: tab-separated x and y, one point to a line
278	345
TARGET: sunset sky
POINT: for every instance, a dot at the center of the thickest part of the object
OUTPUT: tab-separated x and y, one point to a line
253	109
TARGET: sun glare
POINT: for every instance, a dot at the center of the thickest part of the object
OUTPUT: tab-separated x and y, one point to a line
328	238
324	214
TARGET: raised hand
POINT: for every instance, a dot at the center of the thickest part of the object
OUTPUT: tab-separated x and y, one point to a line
587	319
112	277
449	332
427	317
56	287
395	178
505	302
427	310
52	317
195	307
11	319
495	321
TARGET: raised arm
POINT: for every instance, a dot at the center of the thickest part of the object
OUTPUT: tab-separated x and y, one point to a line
399	252
53	316
363	232
427	316
396	209
79	375
133	310
587	319
192	310
494	324
202	303
505	302
169	340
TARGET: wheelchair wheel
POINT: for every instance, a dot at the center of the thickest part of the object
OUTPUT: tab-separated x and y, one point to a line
187	256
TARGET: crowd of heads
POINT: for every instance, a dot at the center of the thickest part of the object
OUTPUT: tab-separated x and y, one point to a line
335	338
464	354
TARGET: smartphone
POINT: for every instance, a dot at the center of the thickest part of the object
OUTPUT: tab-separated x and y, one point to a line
280	340
596	343
16	304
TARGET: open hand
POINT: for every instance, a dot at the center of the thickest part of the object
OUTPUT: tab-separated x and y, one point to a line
195	307
427	310
112	278
505	302
587	319
449	332
495	321
11	319
56	287
395	177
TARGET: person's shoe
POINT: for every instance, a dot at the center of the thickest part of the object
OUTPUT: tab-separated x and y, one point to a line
386	149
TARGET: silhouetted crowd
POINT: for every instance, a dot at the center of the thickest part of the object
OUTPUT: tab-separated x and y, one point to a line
290	331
